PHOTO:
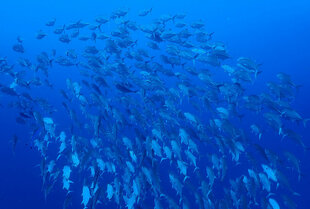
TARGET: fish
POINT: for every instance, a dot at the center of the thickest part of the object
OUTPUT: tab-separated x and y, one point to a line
40	35
8	91
64	38
295	162
86	196
51	22
101	20
59	30
124	89
143	13
77	25
273	203
18	48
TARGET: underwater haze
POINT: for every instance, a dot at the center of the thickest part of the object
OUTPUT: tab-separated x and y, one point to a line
155	104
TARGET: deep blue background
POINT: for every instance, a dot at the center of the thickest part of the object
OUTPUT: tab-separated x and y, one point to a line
275	33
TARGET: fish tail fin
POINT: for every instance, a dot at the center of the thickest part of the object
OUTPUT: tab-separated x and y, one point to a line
163	159
281	113
280	131
99	27
257	72
181	199
185	178
162	195
259	136
58	157
210	36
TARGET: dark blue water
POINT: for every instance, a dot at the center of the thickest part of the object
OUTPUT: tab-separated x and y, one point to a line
274	33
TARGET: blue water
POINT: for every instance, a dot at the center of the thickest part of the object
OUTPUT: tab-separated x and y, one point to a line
274	33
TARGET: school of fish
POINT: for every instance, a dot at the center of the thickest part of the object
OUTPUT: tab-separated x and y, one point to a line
153	115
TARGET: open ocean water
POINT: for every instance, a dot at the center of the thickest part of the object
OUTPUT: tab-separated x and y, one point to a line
154	104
